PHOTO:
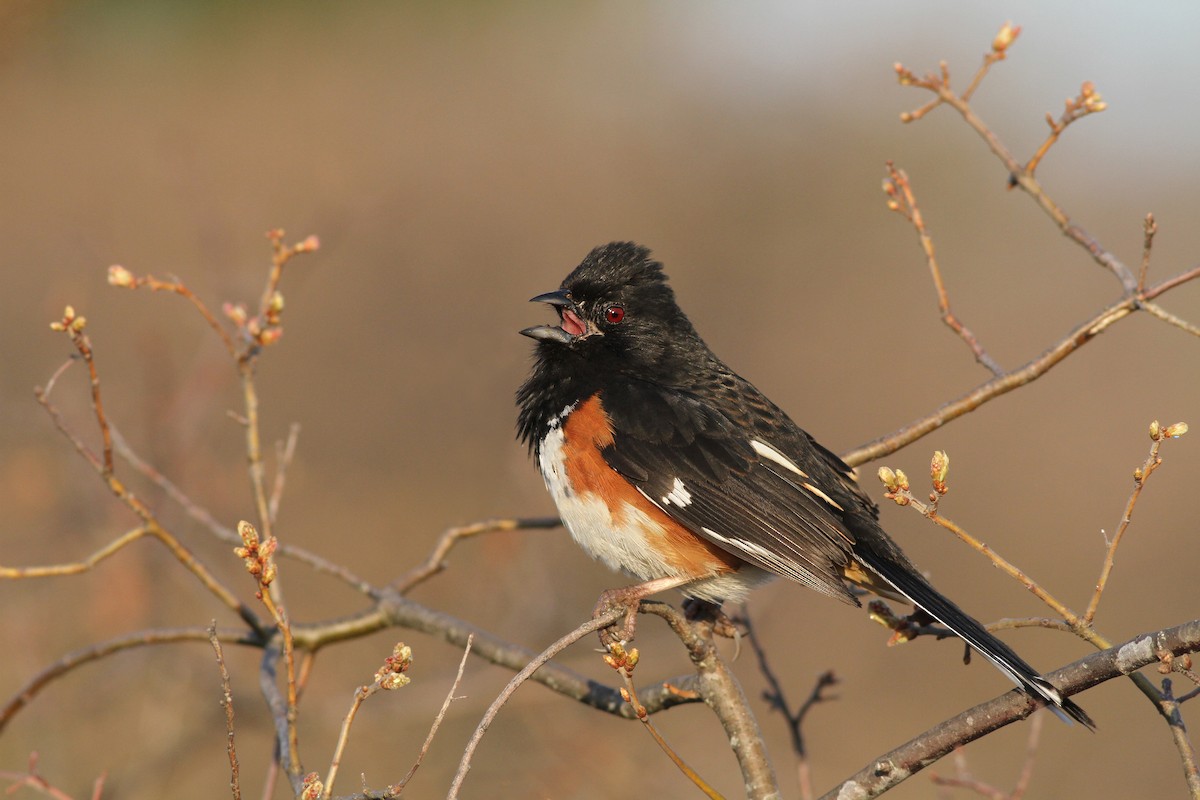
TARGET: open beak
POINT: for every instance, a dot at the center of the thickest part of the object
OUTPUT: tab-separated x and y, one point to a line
570	326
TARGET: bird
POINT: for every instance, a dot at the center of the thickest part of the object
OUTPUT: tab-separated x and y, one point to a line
667	465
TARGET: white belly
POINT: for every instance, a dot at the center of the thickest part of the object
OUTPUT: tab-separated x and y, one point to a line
622	544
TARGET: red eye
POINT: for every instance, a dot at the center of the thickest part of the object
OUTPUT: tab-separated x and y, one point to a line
614	314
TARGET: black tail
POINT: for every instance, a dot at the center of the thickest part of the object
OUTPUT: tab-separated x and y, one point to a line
907	581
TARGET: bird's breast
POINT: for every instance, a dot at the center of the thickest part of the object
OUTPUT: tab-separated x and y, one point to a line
609	518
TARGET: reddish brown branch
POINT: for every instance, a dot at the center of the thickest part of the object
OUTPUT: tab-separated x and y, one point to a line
436	561
235	785
1079	336
1158	435
903	201
95	652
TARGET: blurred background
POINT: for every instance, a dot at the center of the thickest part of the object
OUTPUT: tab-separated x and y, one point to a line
458	158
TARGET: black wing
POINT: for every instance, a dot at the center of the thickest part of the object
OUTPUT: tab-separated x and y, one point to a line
709	469
747	479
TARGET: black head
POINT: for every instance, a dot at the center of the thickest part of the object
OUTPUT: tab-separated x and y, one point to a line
616	308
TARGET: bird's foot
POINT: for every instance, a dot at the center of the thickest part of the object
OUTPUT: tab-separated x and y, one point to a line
621	632
703	610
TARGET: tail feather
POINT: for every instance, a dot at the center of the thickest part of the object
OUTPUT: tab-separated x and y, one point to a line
908	582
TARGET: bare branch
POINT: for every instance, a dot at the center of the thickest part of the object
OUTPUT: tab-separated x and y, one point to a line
437	721
624	662
550	652
436	562
224	532
722	693
903	201
95	652
1149	229
227	704
1079	336
776	698
910	758
1158	435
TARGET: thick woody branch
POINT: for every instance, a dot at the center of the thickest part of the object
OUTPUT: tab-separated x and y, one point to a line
910	758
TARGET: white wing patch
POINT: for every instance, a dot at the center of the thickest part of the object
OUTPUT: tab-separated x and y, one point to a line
771	454
822	495
679	495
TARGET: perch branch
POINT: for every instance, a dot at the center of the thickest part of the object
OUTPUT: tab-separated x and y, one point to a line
910	758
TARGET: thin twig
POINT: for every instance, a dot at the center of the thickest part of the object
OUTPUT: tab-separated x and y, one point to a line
437	722
1088	102
119	276
1030	622
235	785
58	373
624	662
360	694
1140	476
903	201
284	453
224	532
592	625
76	567
32	687
775	697
436	561
1079	336
32	779
1149	228
1166	316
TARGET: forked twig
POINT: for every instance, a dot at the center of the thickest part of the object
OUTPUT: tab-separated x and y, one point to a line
387	678
903	201
437	721
1079	336
32	779
227	534
777	699
436	561
1158	435
964	780
592	625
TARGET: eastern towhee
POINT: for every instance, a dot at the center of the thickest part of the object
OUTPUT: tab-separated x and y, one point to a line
666	464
